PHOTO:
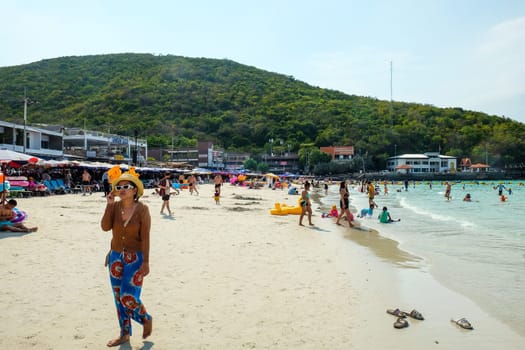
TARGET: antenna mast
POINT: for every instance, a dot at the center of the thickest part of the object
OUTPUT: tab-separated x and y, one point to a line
391	106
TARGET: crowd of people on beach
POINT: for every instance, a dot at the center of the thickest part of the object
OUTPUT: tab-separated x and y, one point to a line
372	189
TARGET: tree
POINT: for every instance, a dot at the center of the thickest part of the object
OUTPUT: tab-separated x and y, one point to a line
250	164
263	167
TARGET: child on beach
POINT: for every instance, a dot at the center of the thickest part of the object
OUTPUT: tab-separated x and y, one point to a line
332	214
367	212
385	218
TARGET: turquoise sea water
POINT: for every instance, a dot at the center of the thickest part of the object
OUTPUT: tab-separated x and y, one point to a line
475	248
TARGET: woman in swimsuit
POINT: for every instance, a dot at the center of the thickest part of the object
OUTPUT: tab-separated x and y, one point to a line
306	205
344	203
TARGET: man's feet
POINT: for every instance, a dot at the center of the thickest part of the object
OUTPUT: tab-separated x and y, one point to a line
148	328
118	341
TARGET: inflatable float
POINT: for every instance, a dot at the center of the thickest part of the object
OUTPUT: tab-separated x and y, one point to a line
19	216
5	186
284	209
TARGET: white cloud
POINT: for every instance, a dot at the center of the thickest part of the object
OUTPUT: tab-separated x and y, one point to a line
496	70
502	52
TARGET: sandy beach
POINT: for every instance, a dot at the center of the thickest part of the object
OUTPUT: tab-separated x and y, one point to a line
228	276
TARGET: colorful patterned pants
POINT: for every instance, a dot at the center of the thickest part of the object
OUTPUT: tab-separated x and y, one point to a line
126	282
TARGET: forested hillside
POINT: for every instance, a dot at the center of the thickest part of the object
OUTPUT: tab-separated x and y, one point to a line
241	108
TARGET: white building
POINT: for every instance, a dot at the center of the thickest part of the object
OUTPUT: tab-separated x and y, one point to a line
90	144
430	162
37	141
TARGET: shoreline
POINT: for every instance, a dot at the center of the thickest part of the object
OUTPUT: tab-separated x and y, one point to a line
225	276
404	261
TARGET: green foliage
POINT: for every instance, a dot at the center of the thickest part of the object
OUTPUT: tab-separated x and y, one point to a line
262	167
178	100
250	164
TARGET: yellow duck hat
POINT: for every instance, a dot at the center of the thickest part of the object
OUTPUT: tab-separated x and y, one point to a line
132	177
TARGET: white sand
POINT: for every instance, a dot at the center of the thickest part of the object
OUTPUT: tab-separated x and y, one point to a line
227	276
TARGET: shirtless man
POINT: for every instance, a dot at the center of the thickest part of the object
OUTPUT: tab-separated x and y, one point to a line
86	182
192	182
7	214
448	188
217	180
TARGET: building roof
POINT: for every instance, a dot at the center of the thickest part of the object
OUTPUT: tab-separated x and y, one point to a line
422	156
412	156
479	166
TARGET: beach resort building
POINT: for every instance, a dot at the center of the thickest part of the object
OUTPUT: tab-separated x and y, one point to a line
38	142
96	145
430	162
205	155
339	152
57	142
467	166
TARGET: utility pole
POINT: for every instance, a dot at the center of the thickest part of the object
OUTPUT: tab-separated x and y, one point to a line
395	156
25	119
172	147
136	154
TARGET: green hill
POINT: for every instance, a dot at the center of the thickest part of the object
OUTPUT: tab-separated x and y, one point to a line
241	108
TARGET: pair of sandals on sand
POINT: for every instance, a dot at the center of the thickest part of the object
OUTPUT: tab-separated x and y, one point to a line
463	323
401	321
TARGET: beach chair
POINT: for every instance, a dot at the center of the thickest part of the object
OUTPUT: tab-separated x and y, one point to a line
61	184
77	188
58	189
18	186
52	187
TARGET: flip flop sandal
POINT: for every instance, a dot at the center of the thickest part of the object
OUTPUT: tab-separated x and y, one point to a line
397	313
416	314
401	323
463	323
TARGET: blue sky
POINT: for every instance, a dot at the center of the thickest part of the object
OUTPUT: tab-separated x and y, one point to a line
447	53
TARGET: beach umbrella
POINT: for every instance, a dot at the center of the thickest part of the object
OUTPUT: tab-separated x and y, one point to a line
200	171
272	175
7	156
